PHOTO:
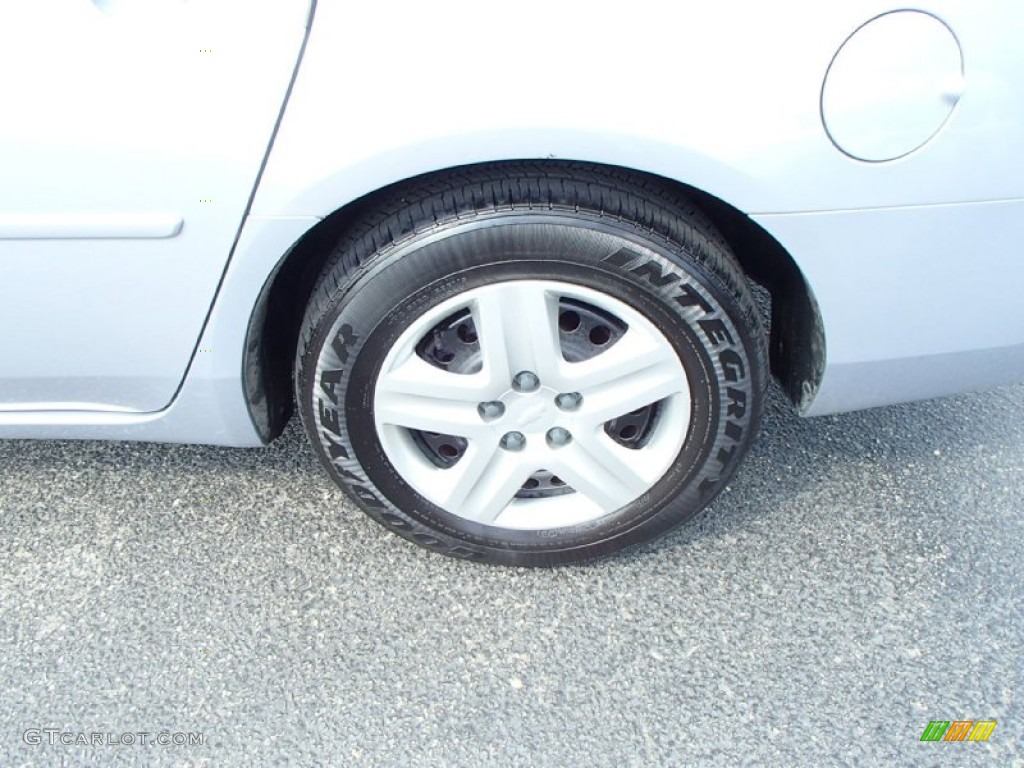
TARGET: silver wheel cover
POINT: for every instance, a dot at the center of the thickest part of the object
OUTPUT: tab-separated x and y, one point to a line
550	422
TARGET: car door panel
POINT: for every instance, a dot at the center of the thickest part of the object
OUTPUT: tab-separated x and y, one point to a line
133	136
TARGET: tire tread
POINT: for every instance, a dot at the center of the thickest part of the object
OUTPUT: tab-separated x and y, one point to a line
645	202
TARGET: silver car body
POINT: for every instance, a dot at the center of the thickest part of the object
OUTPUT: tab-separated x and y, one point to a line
161	161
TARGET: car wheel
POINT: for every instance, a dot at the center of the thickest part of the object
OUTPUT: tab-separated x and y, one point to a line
532	364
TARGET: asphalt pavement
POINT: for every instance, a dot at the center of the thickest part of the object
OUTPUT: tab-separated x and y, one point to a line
859	578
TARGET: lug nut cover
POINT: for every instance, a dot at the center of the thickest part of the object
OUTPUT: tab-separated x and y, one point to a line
526	381
569	401
491	410
559	436
513	441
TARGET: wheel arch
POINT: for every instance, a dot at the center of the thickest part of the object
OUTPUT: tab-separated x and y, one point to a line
796	344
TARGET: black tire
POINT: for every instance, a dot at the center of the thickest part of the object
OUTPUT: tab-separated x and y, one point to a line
625	237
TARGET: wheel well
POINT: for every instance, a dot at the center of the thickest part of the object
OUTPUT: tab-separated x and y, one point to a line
796	344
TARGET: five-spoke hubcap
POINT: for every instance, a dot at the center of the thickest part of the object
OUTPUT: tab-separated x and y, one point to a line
532	404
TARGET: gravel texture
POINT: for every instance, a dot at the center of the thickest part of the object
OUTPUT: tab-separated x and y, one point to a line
860	577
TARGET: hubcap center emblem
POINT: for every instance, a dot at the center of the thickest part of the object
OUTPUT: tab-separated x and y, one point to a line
531	412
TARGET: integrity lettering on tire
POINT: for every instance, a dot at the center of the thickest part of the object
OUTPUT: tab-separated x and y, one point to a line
533	369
